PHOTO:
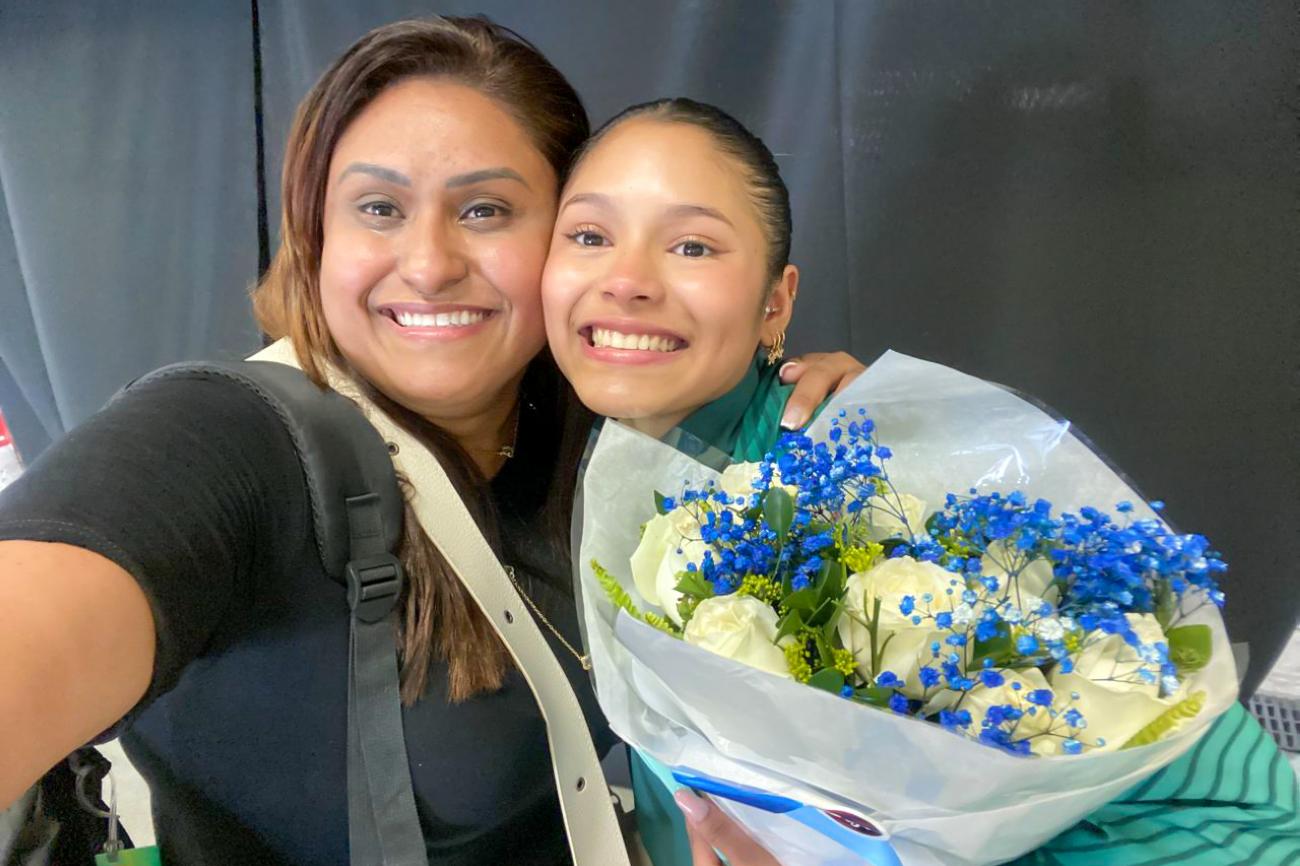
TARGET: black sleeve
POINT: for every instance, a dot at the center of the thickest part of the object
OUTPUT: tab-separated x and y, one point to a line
187	485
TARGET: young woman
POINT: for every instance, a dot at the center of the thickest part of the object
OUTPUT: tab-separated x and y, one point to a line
158	567
667	290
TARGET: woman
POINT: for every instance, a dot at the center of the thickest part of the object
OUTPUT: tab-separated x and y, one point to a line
667	293
158	566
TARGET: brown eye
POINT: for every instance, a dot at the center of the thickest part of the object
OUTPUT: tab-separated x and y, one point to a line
482	212
589	239
381	209
693	249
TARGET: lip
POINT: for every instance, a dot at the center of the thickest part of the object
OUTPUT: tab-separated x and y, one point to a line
388	313
632	357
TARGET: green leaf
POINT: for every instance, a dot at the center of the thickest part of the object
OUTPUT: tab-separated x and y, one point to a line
831	581
805	600
823	613
824	649
614	590
874	695
1190	647
1166	604
791	623
664	625
827	679
659	503
778	510
693	583
1166	722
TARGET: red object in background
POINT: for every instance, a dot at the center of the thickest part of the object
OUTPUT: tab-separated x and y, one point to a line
10	465
6	438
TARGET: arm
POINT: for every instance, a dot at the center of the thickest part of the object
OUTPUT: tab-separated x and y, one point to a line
77	640
124	550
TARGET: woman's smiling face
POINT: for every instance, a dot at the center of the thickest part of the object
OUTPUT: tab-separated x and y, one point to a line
438	215
655	286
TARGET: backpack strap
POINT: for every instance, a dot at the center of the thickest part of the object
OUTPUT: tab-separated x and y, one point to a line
594	835
357	509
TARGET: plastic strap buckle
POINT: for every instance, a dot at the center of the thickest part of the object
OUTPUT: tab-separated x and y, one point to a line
374	584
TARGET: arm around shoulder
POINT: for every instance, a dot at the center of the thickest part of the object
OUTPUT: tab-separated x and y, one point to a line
77	643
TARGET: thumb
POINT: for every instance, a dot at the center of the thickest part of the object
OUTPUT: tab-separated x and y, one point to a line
711	830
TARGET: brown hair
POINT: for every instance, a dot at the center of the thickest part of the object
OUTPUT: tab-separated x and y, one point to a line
439	619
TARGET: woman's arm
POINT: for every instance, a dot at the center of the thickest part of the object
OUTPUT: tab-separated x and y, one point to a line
77	644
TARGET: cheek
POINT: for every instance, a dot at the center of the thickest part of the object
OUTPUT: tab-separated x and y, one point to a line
350	268
516	272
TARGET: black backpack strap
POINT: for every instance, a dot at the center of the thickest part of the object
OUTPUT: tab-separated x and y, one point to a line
357	509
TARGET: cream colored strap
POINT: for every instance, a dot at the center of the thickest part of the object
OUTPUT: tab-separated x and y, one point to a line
593	829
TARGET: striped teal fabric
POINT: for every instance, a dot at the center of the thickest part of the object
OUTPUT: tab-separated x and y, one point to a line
1230	801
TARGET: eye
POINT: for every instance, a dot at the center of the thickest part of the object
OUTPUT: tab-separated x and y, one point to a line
589	238
483	211
381	209
693	249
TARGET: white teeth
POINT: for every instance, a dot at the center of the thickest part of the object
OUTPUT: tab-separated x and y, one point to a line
458	319
603	338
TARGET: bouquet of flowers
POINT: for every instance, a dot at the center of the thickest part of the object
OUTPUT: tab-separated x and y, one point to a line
936	621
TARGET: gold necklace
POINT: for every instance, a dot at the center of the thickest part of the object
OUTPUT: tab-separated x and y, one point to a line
583	660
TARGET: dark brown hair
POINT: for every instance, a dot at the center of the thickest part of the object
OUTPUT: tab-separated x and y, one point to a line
766	188
439	618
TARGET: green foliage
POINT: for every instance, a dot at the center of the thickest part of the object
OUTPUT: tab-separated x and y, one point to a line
1168	721
1190	647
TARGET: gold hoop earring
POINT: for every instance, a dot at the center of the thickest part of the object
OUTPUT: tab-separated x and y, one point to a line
777	349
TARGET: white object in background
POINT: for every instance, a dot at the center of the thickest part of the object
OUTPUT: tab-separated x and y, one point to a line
10	464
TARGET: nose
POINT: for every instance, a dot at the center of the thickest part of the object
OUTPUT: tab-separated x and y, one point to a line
632	278
433	257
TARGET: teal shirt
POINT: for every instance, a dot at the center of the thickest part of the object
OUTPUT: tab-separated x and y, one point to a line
1230	801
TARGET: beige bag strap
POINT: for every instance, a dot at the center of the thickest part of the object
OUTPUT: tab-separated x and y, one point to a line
593	829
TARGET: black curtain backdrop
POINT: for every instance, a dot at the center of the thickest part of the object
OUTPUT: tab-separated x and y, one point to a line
1092	202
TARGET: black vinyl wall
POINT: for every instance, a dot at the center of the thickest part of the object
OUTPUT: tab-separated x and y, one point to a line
1093	202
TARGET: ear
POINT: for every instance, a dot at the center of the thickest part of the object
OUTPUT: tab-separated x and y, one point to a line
780	306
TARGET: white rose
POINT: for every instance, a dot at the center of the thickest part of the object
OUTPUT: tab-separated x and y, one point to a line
885	522
1035	578
1116	702
1032	724
739	627
909	648
670	541
738	480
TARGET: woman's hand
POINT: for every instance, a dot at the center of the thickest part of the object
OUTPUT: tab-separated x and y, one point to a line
711	831
815	377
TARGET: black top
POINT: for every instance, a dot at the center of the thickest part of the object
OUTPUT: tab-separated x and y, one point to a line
194	488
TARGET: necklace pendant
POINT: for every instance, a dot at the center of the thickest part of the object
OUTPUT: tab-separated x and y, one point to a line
506	451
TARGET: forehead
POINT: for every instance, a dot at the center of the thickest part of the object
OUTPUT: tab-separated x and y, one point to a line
437	127
650	159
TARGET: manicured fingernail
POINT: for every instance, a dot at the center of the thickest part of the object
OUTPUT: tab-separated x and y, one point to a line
692	806
793	418
785	368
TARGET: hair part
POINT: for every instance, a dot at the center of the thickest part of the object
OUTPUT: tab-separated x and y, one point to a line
767	190
439	619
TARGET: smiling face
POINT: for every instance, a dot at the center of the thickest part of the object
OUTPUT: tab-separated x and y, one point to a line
437	217
657	279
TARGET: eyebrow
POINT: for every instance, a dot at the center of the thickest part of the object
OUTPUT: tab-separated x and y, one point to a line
388	174
678	210
472	177
396	177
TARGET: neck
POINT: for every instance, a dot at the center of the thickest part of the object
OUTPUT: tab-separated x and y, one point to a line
484	433
657	425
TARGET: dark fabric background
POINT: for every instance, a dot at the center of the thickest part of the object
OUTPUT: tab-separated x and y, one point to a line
1095	203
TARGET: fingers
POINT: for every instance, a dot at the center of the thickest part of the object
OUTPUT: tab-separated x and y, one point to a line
815	376
710	830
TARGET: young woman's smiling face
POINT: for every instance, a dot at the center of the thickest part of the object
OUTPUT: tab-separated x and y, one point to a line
658	275
438	215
